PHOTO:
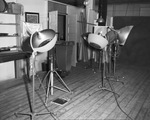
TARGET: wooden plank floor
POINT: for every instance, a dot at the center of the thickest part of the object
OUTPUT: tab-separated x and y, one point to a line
87	100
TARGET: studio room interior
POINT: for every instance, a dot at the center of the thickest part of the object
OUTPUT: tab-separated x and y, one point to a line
74	59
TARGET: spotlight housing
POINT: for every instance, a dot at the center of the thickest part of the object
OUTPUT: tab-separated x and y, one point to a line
43	41
121	34
97	41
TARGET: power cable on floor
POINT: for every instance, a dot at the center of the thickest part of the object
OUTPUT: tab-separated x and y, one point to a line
112	88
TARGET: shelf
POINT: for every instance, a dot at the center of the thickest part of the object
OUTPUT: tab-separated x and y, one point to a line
9	13
9	24
10	36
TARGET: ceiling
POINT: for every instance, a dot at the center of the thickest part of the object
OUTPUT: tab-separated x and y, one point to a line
80	2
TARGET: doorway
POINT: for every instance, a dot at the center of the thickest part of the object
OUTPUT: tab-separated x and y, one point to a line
61	27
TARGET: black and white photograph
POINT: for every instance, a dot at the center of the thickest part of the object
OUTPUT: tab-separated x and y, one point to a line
75	60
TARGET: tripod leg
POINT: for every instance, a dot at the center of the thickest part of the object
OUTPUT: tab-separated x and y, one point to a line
103	87
114	77
112	64
52	77
50	86
47	92
50	83
62	81
41	82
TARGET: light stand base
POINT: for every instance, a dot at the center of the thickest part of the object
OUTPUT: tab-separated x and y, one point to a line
115	79
104	74
103	87
32	115
51	86
50	83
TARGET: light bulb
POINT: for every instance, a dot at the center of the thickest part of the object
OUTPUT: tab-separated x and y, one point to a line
100	20
85	2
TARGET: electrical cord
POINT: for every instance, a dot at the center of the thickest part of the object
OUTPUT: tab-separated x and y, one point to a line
112	88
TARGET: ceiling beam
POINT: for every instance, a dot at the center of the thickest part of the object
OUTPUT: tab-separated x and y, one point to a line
79	3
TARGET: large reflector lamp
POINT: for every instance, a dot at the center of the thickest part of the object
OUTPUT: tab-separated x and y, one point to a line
117	37
121	34
97	41
43	41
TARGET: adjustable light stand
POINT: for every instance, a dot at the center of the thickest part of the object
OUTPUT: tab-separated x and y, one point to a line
104	73
91	64
50	86
33	114
114	56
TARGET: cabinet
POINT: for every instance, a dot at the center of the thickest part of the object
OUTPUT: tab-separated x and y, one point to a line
10	36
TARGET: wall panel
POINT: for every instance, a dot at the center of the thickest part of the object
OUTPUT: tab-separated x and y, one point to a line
136	50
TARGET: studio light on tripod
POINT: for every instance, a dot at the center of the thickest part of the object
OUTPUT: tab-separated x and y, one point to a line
117	37
44	41
40	41
121	34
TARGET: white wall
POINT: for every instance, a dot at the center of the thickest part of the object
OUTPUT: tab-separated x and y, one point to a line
39	6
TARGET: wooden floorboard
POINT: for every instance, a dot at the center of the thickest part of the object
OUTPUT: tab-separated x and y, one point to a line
126	95
87	100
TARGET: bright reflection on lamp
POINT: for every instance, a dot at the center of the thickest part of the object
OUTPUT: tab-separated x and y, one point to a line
121	34
43	41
